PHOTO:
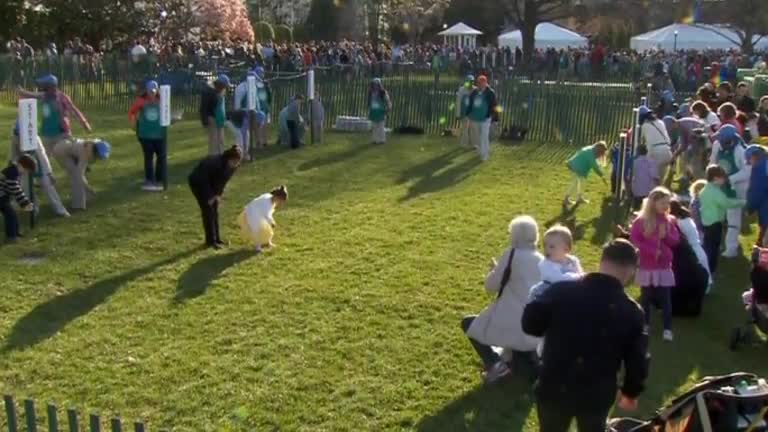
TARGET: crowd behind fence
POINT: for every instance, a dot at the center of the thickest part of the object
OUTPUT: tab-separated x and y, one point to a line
551	108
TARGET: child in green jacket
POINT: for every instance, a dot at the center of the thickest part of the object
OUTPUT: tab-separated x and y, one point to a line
714	205
584	161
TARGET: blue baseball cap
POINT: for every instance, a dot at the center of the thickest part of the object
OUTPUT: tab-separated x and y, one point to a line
49	80
152	85
684	110
667	95
259	71
643	111
223	80
102	149
470	78
727	133
754	150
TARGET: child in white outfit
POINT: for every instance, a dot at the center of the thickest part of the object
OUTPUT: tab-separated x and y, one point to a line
558	266
256	221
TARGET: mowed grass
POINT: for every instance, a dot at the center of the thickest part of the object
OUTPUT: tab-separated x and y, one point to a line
350	324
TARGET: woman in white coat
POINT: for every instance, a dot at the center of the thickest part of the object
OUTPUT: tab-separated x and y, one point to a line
655	136
256	221
512	276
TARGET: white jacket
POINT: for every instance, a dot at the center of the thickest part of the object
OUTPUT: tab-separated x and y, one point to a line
260	210
654	132
688	227
740	179
500	323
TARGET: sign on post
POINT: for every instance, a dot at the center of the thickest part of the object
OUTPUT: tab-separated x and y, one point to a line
165	105
28	125
311	84
251	93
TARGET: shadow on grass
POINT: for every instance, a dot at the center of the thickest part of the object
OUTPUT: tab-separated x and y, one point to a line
49	318
334	158
196	280
502	406
430	166
433	179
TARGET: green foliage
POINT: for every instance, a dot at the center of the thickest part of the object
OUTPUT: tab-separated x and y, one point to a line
323	20
263	31
283	33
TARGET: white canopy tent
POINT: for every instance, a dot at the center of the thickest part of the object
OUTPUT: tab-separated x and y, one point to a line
690	37
460	35
548	35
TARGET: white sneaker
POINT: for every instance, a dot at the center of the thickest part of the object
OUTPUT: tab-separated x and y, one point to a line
496	372
156	188
64	214
646	329
148	187
668	336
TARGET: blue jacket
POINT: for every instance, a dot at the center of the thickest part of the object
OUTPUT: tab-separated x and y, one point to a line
615	162
757	194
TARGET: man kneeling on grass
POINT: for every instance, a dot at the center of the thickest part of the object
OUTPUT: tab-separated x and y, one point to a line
11	188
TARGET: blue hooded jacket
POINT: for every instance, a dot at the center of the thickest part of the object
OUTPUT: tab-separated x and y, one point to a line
757	195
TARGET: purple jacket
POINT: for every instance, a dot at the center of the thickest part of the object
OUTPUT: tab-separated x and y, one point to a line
648	245
645	178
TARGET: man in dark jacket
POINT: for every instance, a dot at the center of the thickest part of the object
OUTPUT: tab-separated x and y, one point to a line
207	181
480	111
591	327
213	114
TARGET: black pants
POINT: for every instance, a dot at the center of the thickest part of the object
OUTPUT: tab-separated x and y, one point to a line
293	133
154	151
210	216
557	417
713	238
11	220
486	353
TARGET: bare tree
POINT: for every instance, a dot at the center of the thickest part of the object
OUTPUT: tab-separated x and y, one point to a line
527	14
748	19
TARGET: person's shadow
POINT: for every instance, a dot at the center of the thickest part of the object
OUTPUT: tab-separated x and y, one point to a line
199	276
501	406
49	318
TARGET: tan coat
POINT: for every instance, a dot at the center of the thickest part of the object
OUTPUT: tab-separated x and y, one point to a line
499	324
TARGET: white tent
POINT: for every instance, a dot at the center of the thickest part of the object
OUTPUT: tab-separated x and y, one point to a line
548	35
460	35
689	37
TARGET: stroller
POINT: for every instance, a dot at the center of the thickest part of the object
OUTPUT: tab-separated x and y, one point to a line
755	301
730	403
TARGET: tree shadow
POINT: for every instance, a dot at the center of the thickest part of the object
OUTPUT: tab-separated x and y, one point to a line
432	183
49	318
430	166
502	406
199	276
335	158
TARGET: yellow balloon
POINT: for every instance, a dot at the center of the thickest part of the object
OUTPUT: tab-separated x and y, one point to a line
443	120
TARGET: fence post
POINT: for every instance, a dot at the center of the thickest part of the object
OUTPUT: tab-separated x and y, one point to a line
72	421
138	427
10	412
95	423
29	412
53	419
116	425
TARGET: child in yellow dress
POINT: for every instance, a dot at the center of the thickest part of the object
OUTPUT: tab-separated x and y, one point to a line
256	222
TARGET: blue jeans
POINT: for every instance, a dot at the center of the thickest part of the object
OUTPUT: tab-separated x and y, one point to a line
154	154
11	220
657	295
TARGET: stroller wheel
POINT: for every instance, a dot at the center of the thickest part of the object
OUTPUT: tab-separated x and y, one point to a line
735	339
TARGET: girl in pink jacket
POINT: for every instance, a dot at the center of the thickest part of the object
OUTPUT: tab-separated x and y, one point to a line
655	235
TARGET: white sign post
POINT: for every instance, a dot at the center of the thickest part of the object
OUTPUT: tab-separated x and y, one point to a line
28	125
165	105
252	96
311	84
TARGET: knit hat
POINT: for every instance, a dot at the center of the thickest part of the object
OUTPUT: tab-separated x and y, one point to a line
223	80
754	150
49	80
102	149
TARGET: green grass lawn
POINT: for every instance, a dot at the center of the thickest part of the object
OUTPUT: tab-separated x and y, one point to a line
350	324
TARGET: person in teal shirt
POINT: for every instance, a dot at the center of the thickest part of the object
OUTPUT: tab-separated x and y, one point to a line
152	137
378	106
213	114
481	111
581	164
462	103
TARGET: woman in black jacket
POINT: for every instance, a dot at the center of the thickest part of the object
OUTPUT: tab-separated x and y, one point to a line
207	181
